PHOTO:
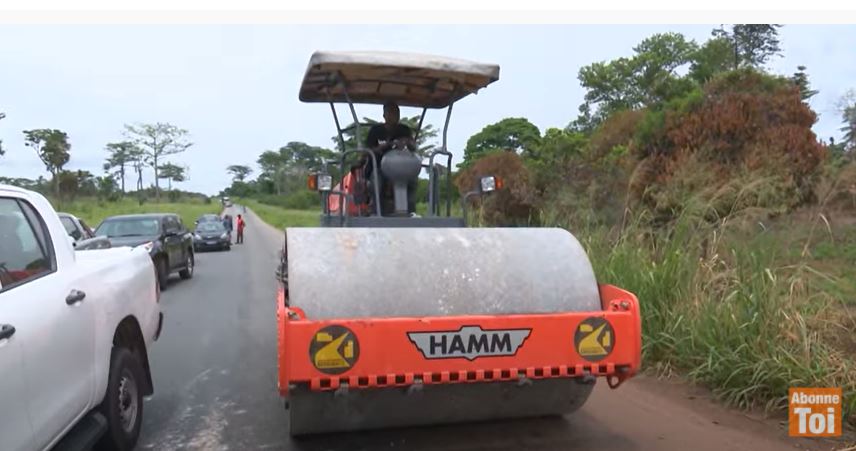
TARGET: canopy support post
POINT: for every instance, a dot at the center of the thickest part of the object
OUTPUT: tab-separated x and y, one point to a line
445	148
419	127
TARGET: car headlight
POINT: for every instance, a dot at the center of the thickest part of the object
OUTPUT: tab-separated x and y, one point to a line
196	236
224	235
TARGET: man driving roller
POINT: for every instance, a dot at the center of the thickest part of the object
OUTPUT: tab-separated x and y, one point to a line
380	139
381	136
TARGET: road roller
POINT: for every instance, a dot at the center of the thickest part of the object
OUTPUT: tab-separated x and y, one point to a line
387	317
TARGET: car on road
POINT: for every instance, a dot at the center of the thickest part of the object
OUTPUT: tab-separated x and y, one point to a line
212	235
227	202
171	243
83	236
75	332
75	226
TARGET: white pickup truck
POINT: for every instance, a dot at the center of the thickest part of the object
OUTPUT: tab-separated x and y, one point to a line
75	330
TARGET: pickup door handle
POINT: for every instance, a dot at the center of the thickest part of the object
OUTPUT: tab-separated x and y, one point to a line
6	331
74	297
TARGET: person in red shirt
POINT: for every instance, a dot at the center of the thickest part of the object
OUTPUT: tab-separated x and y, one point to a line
241	225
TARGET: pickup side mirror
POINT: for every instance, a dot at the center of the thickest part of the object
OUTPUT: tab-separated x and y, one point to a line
76	234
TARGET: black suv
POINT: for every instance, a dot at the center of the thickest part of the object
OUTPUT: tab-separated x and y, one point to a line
172	243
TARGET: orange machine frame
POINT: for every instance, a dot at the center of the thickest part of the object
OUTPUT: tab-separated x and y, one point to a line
387	357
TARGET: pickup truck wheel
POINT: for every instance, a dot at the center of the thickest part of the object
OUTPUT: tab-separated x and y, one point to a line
163	273
123	403
187	272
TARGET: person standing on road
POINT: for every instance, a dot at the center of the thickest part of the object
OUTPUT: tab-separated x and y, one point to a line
241	225
227	224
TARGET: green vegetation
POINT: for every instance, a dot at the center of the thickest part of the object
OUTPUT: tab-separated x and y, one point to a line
709	196
94	211
281	217
740	311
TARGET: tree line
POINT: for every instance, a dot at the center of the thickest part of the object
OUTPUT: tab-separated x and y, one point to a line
649	79
145	145
283	171
664	68
648	119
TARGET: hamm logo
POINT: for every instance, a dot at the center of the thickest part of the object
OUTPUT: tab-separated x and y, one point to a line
470	342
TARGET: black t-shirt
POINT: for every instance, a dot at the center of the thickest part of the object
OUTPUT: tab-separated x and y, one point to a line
380	133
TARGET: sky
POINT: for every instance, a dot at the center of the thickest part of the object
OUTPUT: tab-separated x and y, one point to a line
235	87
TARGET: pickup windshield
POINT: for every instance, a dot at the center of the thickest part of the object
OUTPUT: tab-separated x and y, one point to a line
128	227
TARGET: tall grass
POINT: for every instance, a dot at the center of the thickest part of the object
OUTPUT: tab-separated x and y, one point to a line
729	309
282	217
93	211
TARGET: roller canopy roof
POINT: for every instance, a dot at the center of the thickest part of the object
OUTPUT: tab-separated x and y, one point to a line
408	79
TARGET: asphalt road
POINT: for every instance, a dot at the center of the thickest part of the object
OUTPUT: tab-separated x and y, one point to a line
215	385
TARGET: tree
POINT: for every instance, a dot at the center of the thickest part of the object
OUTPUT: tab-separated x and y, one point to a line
52	147
556	148
122	154
515	204
609	87
158	140
515	134
74	183
173	173
657	58
291	162
558	145
646	78
751	44
847	106
239	172
138	160
302	157
68	183
86	183
2	115
106	188
714	57
585	121
428	132
800	78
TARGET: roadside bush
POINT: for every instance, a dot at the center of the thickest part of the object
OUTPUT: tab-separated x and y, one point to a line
742	127
510	206
619	129
732	310
422	190
836	188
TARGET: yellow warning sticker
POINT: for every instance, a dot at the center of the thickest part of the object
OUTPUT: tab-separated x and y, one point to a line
334	349
594	339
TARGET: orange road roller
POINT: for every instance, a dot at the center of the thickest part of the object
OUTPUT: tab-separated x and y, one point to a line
387	317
